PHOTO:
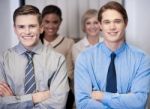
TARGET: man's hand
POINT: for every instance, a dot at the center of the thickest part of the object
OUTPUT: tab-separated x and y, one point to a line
40	96
5	90
97	95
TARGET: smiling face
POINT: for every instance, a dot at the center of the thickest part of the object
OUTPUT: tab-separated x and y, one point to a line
92	27
28	29
51	23
113	26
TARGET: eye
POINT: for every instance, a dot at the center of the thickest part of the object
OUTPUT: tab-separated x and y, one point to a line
33	26
106	22
88	23
20	26
118	21
96	22
46	21
56	22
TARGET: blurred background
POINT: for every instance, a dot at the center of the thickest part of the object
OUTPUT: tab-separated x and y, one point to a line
137	32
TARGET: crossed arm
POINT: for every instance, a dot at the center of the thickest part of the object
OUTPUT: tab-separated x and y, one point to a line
37	97
89	95
53	97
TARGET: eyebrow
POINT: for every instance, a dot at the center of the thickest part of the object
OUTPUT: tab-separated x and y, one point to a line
112	20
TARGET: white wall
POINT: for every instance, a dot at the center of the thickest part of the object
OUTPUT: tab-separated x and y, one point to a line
138	29
138	32
72	11
4	25
7	36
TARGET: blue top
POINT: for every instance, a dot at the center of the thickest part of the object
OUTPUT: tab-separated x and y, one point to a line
133	78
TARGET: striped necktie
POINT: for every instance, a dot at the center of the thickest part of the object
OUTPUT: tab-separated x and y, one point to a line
30	85
111	84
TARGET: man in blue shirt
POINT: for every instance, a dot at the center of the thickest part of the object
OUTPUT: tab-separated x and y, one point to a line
132	67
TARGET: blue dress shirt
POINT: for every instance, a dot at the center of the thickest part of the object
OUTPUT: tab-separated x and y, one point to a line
133	78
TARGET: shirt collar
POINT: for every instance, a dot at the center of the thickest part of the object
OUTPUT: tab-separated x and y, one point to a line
54	42
86	42
108	52
21	49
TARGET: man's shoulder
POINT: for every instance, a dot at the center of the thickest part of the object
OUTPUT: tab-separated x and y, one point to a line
7	54
49	51
8	51
136	50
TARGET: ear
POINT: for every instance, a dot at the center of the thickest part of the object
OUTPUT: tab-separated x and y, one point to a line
126	24
14	27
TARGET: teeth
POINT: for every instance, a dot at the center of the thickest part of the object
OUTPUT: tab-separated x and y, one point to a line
50	30
113	33
27	37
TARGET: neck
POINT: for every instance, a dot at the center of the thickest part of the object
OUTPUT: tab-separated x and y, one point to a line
50	38
31	47
113	46
93	40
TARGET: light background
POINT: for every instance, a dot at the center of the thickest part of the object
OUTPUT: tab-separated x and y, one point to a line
138	32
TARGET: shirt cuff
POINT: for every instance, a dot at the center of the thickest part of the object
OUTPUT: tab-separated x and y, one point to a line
17	99
107	97
24	98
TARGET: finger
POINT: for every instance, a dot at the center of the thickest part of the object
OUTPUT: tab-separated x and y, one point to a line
1	94
5	89
8	88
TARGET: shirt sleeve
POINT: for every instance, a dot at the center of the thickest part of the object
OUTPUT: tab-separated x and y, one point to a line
59	88
138	95
58	92
13	102
84	84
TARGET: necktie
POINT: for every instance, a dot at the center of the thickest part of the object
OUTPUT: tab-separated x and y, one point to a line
30	85
111	84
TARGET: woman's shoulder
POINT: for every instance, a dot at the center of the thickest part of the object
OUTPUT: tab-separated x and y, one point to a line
69	40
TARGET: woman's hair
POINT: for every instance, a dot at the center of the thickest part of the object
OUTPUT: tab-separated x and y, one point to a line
112	5
87	15
52	9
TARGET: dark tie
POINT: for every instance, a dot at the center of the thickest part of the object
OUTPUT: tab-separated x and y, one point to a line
30	85
111	84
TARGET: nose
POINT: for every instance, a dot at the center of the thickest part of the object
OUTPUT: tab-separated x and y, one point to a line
50	25
112	26
27	30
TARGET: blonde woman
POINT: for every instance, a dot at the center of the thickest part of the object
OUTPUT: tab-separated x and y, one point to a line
91	28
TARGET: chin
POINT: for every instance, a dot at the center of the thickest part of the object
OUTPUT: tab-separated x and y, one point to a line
28	44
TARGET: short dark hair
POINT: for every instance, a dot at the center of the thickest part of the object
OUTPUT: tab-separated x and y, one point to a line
114	6
52	9
27	10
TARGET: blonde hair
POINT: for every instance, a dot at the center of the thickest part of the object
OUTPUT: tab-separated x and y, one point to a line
87	15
